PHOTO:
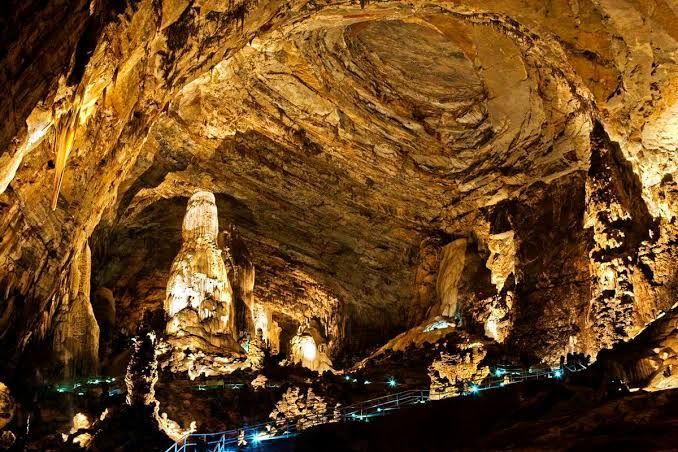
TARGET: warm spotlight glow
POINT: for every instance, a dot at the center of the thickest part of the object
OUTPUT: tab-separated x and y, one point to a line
308	349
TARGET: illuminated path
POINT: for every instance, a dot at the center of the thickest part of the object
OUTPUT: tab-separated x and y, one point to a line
255	435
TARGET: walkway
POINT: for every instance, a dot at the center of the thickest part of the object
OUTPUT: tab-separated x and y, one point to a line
232	440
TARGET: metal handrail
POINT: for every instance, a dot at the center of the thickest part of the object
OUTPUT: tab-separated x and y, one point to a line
359	411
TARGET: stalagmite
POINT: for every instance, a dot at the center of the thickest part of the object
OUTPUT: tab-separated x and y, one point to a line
309	350
453	373
199	300
76	335
201	329
451	267
267	327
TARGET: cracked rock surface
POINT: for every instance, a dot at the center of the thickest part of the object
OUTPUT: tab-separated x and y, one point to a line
349	145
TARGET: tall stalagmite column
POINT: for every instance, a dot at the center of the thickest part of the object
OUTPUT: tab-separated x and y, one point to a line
199	299
76	332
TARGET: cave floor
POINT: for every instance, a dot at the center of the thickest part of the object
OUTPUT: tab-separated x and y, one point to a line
532	416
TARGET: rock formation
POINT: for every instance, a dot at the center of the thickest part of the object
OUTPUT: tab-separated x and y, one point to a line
454	373
309	349
76	435
7	406
199	303
76	335
301	410
398	171
650	360
451	268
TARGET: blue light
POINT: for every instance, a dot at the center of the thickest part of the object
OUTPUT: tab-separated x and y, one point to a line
347	377
499	372
558	373
474	389
392	382
258	437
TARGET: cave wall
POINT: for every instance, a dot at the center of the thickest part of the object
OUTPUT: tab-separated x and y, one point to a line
347	158
552	268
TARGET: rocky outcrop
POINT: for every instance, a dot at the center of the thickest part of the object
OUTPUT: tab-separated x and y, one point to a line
650	360
452	374
301	410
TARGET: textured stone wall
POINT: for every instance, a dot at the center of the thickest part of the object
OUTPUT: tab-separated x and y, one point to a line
340	156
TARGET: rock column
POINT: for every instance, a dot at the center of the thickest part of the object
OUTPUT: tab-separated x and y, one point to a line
199	301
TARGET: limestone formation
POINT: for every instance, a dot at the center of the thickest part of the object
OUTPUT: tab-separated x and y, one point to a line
259	382
451	267
76	335
241	275
79	431
309	350
141	378
400	172
265	326
500	321
7	439
453	374
301	410
7	406
502	257
650	360
199	303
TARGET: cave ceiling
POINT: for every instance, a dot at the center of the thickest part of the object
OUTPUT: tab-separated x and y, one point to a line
337	137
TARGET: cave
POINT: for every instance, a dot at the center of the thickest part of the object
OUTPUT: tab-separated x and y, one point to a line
341	225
